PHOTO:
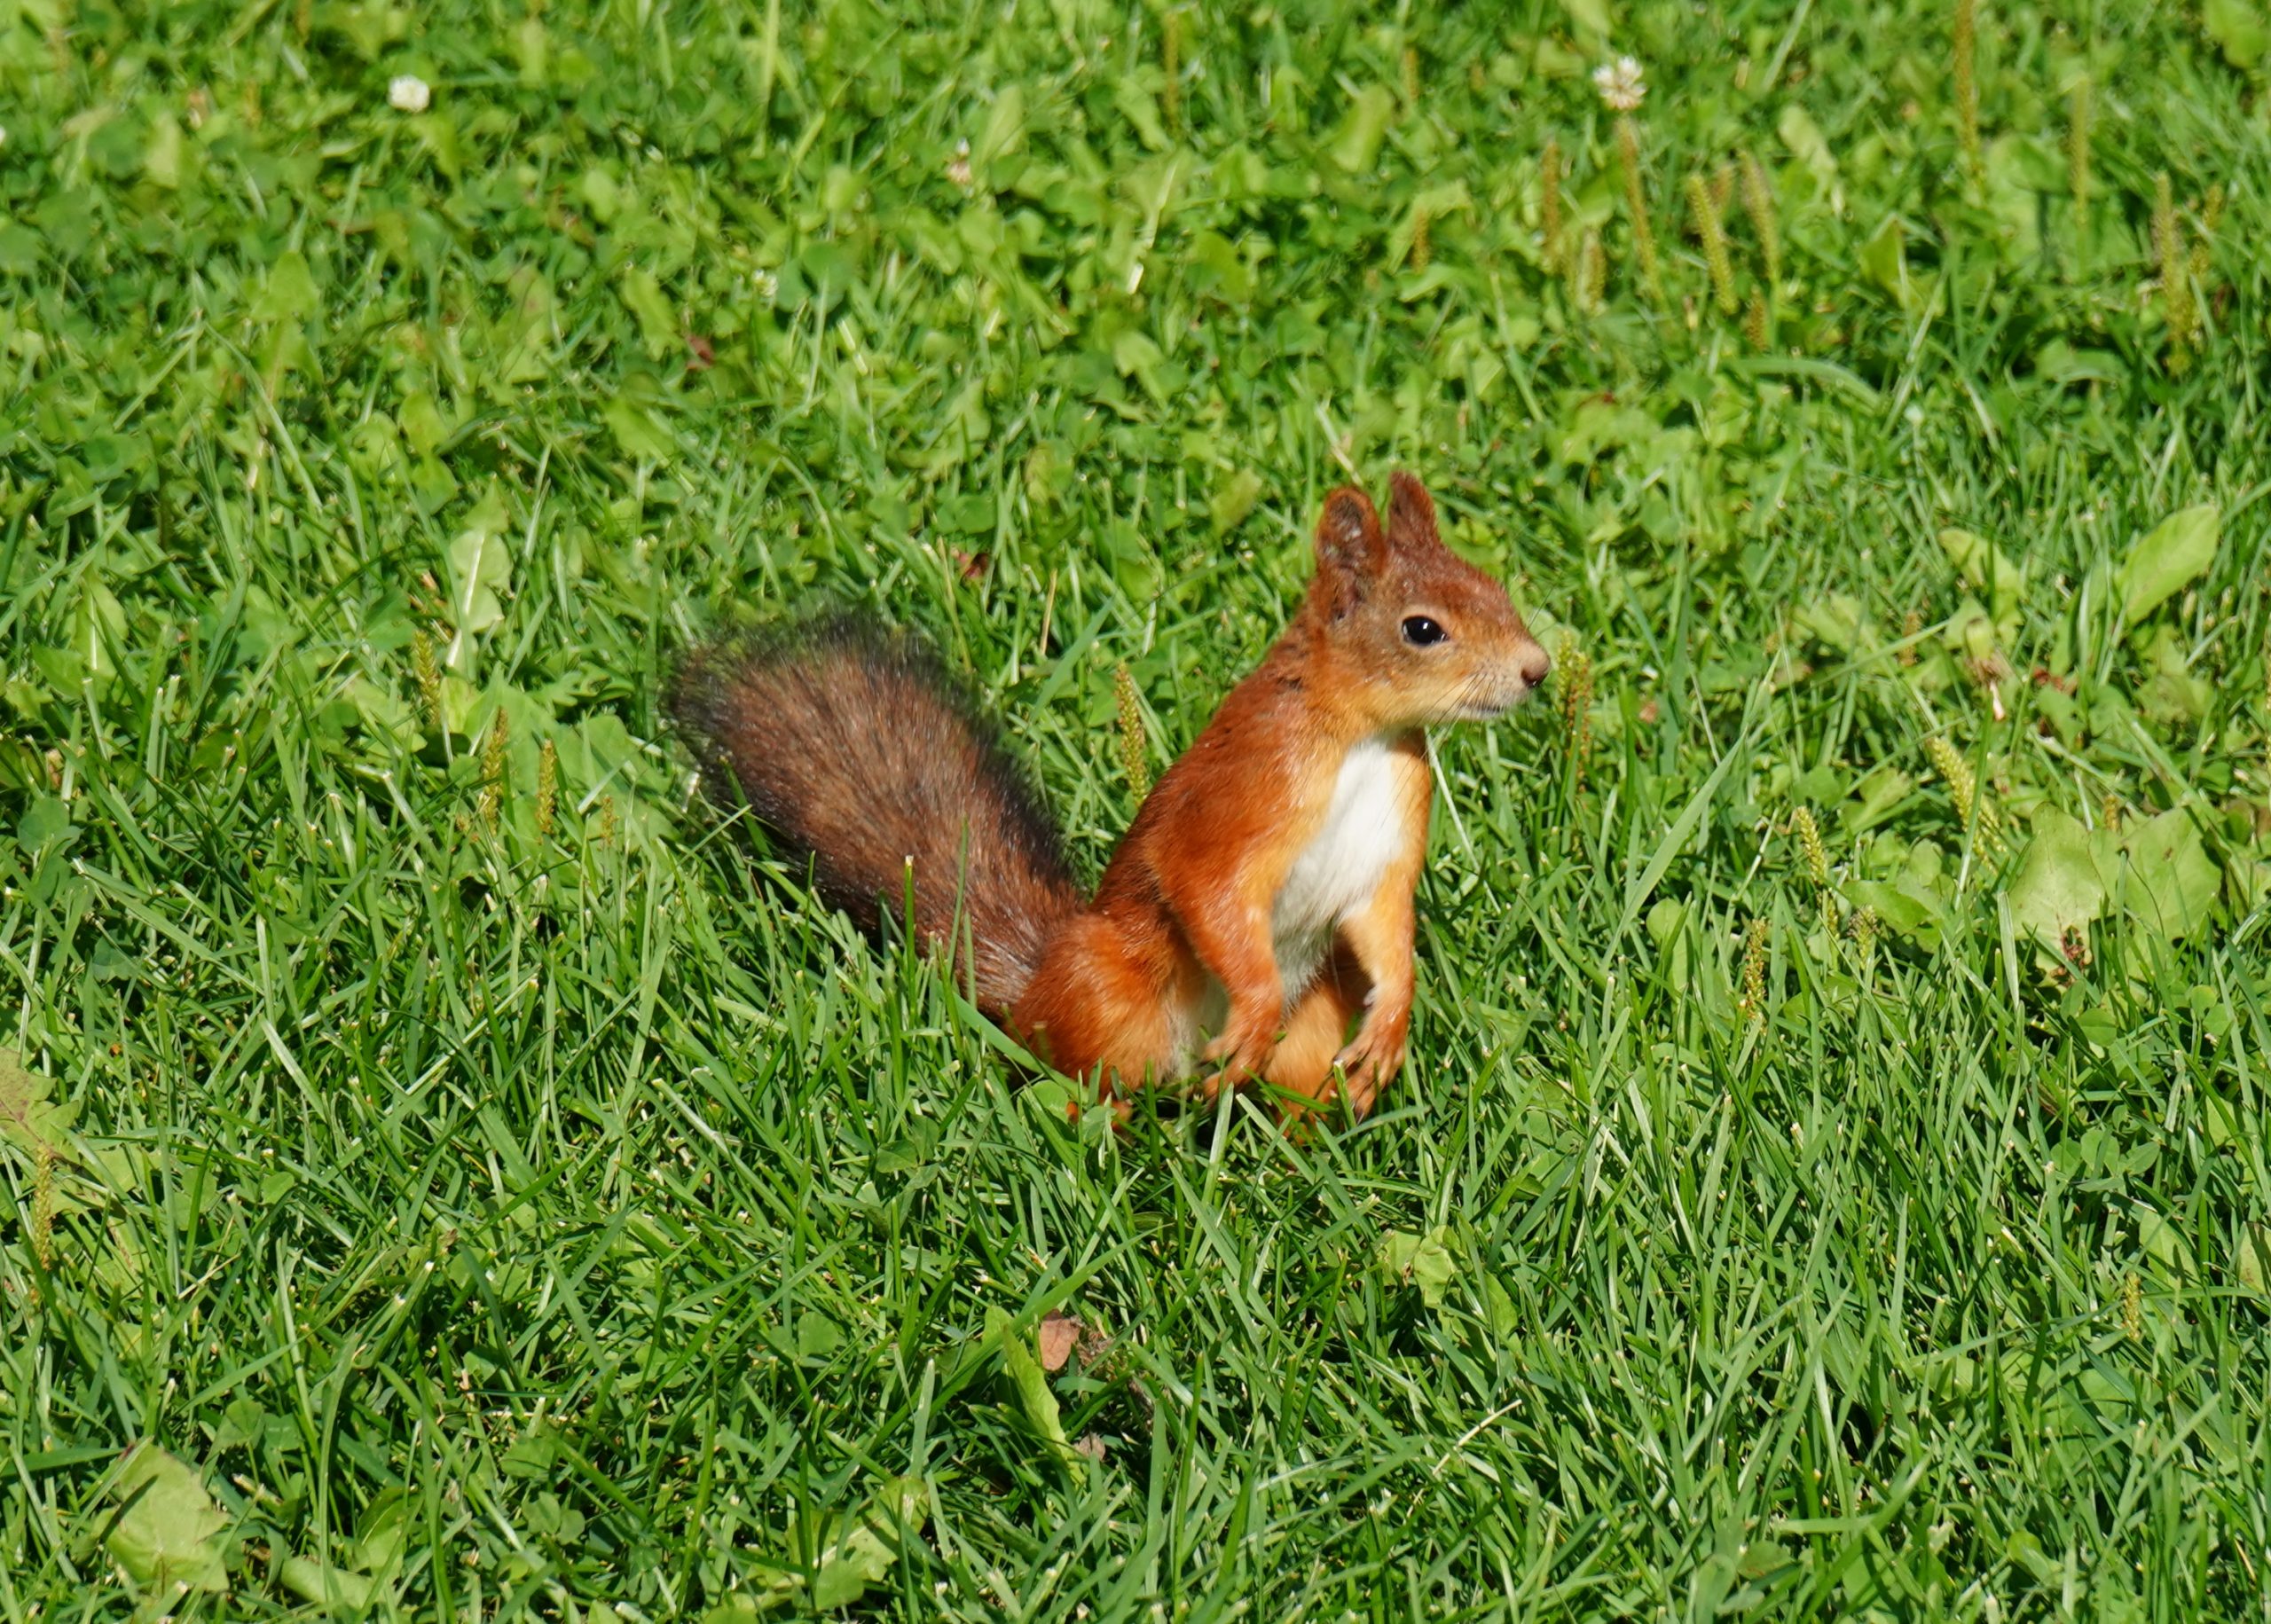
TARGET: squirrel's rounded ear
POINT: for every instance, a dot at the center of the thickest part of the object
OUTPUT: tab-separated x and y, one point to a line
1410	513
1349	549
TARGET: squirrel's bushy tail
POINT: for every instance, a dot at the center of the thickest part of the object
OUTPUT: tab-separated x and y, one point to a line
860	750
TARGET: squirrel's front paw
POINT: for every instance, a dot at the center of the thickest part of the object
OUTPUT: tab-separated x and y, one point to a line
1368	1062
1237	1057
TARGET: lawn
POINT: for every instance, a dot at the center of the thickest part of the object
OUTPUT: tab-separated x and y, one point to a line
453	1170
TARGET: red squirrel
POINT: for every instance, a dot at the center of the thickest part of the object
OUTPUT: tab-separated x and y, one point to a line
1262	899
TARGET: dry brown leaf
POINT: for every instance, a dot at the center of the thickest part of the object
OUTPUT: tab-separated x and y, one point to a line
1059	1333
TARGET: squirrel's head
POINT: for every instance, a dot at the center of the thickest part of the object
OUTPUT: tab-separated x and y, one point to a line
1430	638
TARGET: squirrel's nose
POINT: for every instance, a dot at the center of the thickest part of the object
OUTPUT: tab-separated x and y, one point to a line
1534	665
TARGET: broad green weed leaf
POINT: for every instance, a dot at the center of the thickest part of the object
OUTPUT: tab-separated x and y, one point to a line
460	699
1141	109
901	1505
1052	1101
1005	128
1884	260
1356	143
1590	16
1555	60
602	193
384	1532
437	133
1424	1262
291	294
421	422
64	669
322	1584
599	754
1046	473
532	47
2172	881
1974	633
167	1538
29	1116
1235	495
1136	356
2166	559
481	568
1880	793
383	714
774	1588
2058	887
2163	1240
968	515
1986	567
817	1336
1030	1380
658	323
531	1457
267	628
1215	268
1836	621
47	818
1905	910
522	335
2013	197
1806	142
862	1556
1437	203
97	630
635	430
2025	1550
2173	694
163	161
368	26
2240	27
19	250
2248	881
2251	1263
845	1572
1498	1309
243	1425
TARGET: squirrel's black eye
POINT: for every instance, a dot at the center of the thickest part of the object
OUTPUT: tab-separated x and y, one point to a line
1418	630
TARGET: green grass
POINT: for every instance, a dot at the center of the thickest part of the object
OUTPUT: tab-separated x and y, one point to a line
504	1207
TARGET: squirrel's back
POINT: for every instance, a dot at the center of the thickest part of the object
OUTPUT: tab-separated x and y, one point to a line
859	749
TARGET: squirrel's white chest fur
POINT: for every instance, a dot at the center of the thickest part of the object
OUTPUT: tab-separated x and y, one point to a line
1344	863
1334	877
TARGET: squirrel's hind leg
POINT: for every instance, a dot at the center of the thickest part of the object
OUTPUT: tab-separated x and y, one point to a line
1316	1028
1097	1010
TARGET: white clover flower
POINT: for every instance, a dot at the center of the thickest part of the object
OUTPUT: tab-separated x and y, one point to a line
1619	84
958	166
408	93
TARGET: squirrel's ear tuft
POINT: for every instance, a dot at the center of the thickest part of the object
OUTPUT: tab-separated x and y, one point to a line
1411	514
1349	549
